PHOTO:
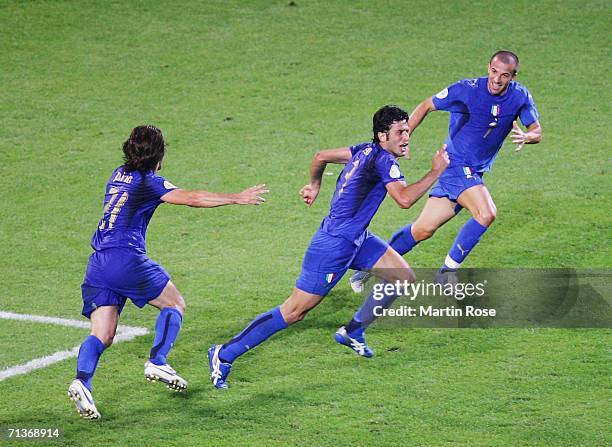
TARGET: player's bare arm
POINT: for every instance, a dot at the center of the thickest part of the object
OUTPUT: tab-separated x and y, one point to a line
533	135
408	195
320	160
207	199
419	114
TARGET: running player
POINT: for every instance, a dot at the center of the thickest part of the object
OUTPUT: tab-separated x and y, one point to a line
119	268
342	241
483	111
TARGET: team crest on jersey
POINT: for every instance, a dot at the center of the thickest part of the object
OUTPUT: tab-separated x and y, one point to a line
394	172
168	185
367	150
467	171
442	94
495	110
330	277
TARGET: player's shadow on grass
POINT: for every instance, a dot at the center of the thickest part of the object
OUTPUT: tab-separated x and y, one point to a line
334	311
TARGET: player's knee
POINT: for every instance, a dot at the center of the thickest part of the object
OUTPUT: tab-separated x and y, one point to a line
292	312
422	232
106	337
403	275
298	317
181	306
178	303
294	316
408	275
486	216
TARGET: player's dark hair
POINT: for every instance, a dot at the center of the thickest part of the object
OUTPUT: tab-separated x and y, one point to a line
384	118
507	57
144	149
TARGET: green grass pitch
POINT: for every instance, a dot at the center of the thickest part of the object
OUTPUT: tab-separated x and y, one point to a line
245	92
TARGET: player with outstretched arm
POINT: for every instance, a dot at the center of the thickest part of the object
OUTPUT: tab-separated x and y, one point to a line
343	241
119	268
483	111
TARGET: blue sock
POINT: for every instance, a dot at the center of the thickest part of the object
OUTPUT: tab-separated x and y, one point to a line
467	239
403	241
89	354
365	315
257	331
167	328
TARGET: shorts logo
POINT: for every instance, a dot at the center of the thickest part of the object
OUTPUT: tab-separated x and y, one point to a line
394	172
442	94
330	277
168	185
467	171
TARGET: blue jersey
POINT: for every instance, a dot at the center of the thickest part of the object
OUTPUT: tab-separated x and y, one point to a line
479	121
360	189
130	201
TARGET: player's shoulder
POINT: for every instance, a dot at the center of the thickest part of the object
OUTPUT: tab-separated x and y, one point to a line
360	147
470	83
388	166
365	149
519	89
153	178
457	88
385	160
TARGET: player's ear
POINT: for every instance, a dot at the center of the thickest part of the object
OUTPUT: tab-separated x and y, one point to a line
382	137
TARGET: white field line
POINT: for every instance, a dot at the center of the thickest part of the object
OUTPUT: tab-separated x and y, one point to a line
124	333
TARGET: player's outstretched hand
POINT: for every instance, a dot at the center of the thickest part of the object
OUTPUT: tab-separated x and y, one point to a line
309	193
440	160
253	195
518	136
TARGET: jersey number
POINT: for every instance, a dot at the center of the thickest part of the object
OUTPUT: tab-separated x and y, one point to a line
348	176
114	205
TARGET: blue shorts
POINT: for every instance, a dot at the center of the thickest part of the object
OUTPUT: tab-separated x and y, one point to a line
329	257
454	180
115	275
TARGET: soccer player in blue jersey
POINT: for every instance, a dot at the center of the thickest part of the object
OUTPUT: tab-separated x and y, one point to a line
342	241
119	268
483	111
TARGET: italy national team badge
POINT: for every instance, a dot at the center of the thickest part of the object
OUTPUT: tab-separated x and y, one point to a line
330	277
467	171
495	111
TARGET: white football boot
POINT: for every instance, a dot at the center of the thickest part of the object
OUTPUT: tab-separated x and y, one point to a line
83	400
358	280
166	374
